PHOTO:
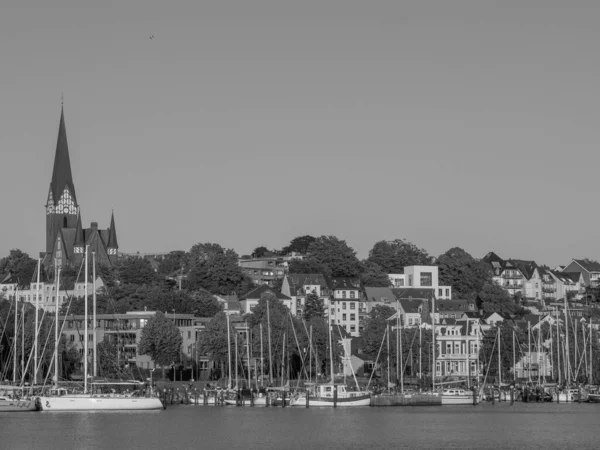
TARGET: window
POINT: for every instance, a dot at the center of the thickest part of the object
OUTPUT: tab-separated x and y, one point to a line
343	294
90	337
410	278
72	338
410	321
343	305
189	335
352	328
332	310
440	292
343	316
352	294
81	338
352	305
448	293
426	279
352	316
70	324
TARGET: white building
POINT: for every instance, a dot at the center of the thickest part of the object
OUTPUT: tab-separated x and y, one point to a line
421	277
345	306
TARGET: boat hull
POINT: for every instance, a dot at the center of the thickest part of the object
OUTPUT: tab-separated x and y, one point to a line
594	398
86	403
7	405
358	400
457	400
258	401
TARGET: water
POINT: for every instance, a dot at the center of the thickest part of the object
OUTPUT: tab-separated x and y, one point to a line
486	426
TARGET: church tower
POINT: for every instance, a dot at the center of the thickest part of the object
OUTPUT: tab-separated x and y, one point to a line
61	206
66	238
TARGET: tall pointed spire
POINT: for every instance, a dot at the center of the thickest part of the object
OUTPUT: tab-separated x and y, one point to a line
61	175
112	235
79	239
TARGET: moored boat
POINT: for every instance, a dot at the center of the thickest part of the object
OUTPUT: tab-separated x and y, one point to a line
331	394
458	397
60	400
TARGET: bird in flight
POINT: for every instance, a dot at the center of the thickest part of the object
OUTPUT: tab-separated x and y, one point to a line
152	37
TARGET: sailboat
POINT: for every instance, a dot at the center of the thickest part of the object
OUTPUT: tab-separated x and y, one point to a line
332	393
60	400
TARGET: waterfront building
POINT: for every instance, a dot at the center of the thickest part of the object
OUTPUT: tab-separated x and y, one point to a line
533	364
458	343
66	238
421	277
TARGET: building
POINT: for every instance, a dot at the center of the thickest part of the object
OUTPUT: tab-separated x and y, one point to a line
249	300
298	285
590	271
66	238
264	270
230	304
453	309
421	277
567	283
345	304
517	276
125	330
458	343
45	291
412	303
533	364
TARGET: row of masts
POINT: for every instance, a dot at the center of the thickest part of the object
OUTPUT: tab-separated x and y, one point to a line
54	361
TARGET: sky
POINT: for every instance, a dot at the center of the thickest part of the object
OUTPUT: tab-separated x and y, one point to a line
248	123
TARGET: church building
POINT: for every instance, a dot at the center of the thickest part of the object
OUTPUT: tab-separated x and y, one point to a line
66	238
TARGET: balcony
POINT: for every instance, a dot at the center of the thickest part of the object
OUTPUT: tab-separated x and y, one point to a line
512	286
461	356
512	276
548	290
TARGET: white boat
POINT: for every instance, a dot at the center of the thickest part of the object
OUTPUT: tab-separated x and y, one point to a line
13	402
457	397
60	400
323	395
570	396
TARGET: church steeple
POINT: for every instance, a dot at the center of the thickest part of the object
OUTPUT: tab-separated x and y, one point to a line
61	174
112	244
79	242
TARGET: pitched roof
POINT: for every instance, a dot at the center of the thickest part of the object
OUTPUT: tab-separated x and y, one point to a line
61	174
590	266
112	233
345	283
412	292
379	294
411	305
257	293
79	240
298	280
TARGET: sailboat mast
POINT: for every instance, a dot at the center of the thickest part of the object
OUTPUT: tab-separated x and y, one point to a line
399	334
558	348
56	328
529	351
228	352
420	355
235	336
591	335
499	359
331	356
283	360
269	342
35	341
567	344
388	355
433	370
310	355
94	322
262	361
85	326
539	352
248	353
23	343
15	336
514	357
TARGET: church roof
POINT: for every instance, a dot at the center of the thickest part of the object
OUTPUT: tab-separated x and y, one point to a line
79	240
61	174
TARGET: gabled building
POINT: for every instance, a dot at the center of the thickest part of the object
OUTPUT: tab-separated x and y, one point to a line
265	270
590	270
250	300
567	282
421	277
298	285
516	276
66	238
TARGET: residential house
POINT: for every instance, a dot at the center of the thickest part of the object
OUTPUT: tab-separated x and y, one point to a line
45	291
590	270
458	343
230	303
345	304
298	285
421	277
249	300
453	309
533	364
516	276
264	270
566	283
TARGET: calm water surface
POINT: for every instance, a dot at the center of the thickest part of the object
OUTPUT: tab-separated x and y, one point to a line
486	426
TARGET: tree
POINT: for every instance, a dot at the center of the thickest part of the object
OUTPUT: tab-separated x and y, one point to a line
373	275
375	326
212	340
160	339
172	262
259	252
393	256
308	265
133	270
465	274
494	298
108	360
205	304
336	255
313	306
299	244
19	264
215	269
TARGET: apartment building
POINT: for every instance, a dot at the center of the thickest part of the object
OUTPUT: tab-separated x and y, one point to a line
421	277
